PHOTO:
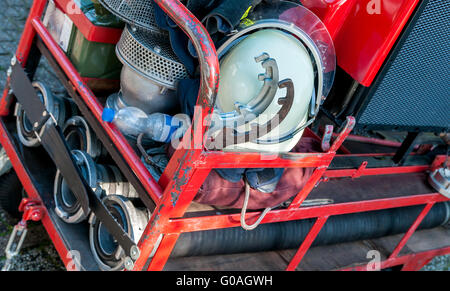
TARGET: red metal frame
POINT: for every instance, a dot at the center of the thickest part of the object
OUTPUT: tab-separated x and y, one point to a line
410	262
191	164
363	171
306	244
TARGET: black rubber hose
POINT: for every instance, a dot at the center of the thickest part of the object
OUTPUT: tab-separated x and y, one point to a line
11	193
289	235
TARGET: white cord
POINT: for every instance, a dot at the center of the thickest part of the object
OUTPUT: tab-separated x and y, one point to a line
244	211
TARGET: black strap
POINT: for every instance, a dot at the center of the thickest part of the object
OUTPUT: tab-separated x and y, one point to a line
54	143
51	138
31	103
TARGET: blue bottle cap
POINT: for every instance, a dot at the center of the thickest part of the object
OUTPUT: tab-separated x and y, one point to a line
108	115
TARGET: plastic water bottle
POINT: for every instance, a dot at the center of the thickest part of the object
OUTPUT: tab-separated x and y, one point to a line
157	126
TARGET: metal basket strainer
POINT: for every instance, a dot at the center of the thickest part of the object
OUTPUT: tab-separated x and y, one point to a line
150	57
140	13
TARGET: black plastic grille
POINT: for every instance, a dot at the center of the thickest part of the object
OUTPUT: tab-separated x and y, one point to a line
413	93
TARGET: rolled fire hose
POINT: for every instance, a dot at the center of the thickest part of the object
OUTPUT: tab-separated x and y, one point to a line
79	136
104	180
55	106
289	235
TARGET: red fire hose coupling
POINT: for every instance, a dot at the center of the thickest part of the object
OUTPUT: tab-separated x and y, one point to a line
32	210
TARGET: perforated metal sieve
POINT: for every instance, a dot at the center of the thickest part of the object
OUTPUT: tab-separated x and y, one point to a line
151	57
140	13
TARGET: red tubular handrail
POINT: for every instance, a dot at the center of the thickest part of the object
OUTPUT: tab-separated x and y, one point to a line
209	79
206	50
178	175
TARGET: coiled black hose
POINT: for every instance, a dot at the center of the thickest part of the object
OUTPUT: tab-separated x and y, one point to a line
289	235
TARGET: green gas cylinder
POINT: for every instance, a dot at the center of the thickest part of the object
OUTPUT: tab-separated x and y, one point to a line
96	62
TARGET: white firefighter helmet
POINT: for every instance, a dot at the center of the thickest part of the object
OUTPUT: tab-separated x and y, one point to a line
274	76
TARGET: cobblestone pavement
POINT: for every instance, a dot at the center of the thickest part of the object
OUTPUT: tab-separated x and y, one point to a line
39	253
13	14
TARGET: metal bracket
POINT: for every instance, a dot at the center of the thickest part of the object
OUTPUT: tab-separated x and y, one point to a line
405	149
32	210
358	173
326	139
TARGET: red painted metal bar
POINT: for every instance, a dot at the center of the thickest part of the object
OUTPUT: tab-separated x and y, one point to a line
411	230
5	102
318	172
376	141
309	186
375	171
165	248
405	260
342	148
439	160
32	192
90	31
91	101
209	80
174	204
416	264
229	160
350	124
233	220
179	174
29	33
205	48
359	172
306	244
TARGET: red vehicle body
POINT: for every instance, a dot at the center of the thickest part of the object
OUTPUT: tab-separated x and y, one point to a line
372	28
372	36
